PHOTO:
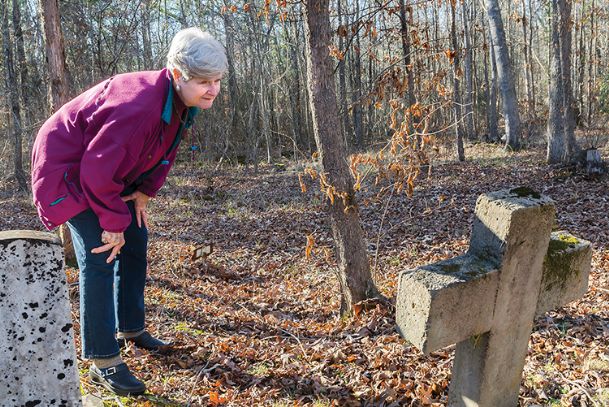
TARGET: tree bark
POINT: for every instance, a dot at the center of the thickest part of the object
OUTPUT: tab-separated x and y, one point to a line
405	36
13	100
468	99
582	64
294	91
353	268
58	86
146	44
530	48
562	147
233	89
493	131
591	63
25	88
342	76
356	84
565	61
456	85
528	83
556	151
507	87
55	54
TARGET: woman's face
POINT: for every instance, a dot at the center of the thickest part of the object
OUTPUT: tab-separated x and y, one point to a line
199	92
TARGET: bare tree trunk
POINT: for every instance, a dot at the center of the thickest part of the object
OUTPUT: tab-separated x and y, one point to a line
468	99
562	146
410	97
493	131
58	86
232	78
504	72
13	100
353	267
370	113
581	72
456	87
527	72
252	128
55	54
591	63
294	91
356	74
530	49
342	76
25	88
557	145
565	61
266	121
475	73
487	82
147	46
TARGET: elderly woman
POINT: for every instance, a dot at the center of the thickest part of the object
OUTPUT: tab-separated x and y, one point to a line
96	162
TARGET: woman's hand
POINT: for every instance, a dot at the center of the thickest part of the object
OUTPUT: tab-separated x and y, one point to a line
141	201
112	241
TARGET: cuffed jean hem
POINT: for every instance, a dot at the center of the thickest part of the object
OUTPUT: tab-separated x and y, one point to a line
128	331
100	356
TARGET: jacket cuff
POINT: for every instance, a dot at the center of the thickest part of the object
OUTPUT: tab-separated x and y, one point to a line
149	192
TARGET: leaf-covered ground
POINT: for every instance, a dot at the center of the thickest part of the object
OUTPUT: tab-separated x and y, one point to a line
257	323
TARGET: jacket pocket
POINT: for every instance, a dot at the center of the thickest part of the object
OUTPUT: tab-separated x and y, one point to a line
71	178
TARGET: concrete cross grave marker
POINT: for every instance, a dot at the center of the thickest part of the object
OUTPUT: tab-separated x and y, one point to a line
485	301
37	353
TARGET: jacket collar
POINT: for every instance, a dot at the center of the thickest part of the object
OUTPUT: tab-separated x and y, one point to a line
167	108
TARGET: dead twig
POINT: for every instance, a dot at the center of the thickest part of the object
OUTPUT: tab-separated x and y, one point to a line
580	387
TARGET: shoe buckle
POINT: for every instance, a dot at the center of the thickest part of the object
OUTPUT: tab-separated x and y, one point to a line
110	371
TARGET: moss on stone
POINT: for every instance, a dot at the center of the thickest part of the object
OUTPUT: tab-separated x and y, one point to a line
557	246
570	239
525	192
558	261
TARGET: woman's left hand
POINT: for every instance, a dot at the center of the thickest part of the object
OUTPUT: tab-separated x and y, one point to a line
140	201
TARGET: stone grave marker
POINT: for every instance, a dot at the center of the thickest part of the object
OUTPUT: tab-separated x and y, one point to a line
37	352
485	301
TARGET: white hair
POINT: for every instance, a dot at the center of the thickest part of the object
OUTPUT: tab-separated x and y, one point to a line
196	54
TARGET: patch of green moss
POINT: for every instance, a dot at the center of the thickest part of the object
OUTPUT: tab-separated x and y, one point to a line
525	192
570	239
558	268
558	262
259	369
183	326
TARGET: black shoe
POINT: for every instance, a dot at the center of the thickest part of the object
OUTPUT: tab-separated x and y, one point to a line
117	379
145	341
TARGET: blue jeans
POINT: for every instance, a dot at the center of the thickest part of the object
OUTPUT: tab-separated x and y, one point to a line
111	294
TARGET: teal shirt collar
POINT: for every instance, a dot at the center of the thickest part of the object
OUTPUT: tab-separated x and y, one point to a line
166	115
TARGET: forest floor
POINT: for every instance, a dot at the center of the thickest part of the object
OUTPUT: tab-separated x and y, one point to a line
257	323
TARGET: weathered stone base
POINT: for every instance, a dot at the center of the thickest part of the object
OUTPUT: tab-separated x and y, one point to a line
37	352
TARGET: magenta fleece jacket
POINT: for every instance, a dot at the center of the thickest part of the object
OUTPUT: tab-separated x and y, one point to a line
99	143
